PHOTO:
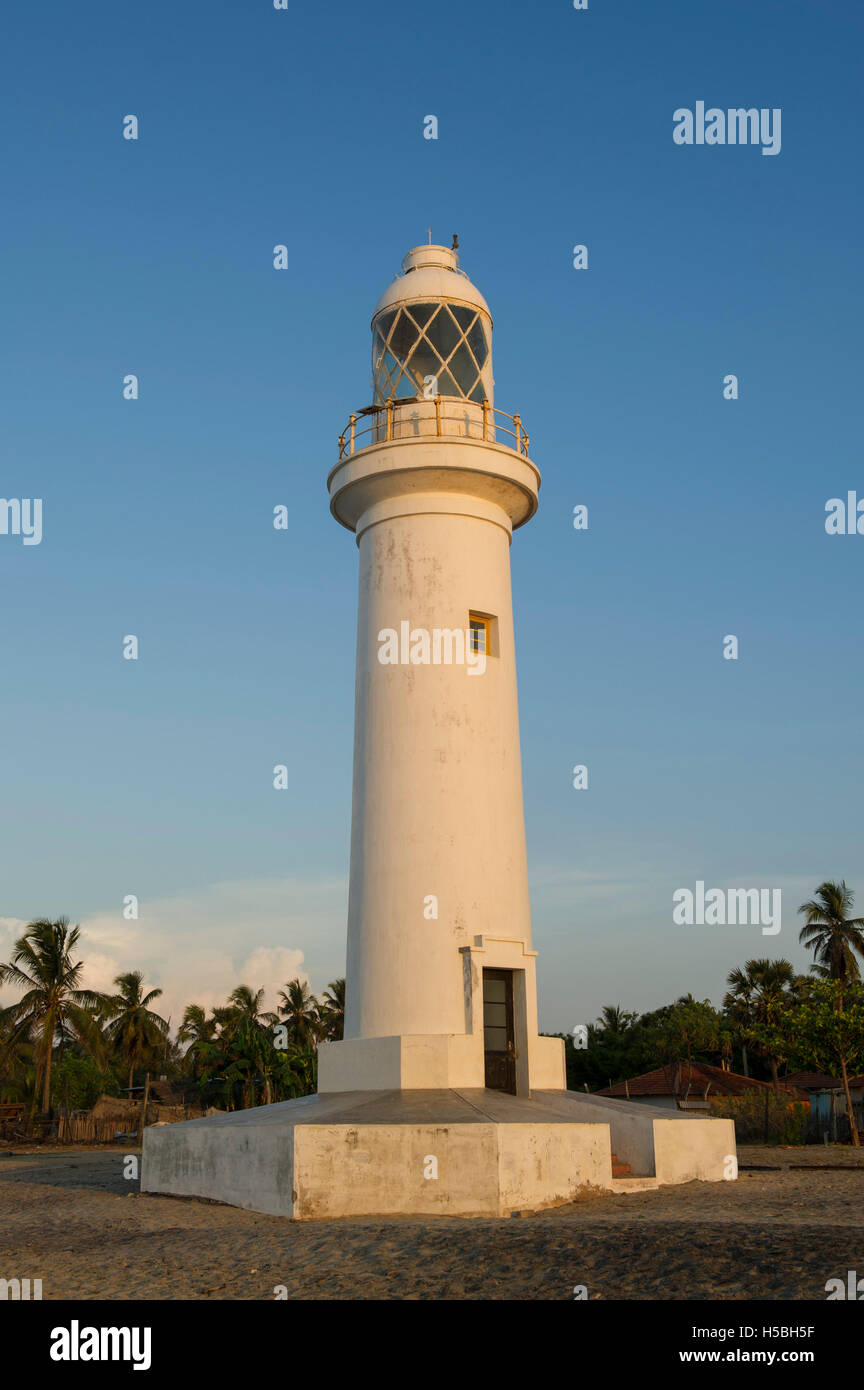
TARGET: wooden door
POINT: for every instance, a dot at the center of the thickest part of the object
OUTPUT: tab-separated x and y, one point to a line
499	1041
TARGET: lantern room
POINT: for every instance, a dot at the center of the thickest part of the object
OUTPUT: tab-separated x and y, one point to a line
432	333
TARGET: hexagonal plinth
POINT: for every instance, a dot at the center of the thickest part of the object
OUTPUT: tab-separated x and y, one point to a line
447	1153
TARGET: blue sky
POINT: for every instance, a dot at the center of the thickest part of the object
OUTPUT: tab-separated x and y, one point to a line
706	516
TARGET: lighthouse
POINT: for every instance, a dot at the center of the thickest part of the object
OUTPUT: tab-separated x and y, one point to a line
443	1098
433	480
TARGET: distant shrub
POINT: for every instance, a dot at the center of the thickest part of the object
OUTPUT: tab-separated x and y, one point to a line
784	1122
79	1080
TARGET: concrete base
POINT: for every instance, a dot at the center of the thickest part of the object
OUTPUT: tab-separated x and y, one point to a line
434	1061
427	1152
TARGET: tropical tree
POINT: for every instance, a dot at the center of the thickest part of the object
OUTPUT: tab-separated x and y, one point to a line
199	1032
751	991
134	1028
691	1026
17	1068
53	1002
247	1043
331	1012
824	1026
299	1009
831	933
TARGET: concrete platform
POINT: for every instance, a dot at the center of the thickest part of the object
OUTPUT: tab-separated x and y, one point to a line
427	1152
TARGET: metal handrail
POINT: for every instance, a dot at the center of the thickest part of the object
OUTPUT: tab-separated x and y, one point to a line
381	420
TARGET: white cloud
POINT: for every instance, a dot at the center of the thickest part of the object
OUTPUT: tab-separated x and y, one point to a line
197	947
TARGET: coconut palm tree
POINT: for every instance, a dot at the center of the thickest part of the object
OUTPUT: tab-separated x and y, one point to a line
199	1031
53	1001
751	991
299	1009
246	1043
831	933
245	1004
134	1029
331	1011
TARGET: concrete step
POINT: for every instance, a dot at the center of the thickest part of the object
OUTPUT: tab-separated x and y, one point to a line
626	1185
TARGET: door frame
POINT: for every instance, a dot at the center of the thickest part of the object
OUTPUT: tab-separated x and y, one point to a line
506	975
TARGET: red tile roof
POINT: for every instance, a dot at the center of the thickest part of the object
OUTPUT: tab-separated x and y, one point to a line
697	1076
812	1081
820	1081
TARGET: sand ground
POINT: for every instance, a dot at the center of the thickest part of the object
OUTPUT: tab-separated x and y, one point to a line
794	1219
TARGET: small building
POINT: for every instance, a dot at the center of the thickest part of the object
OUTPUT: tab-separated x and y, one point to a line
690	1086
827	1098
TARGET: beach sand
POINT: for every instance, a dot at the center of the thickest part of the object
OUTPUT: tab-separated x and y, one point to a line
70	1218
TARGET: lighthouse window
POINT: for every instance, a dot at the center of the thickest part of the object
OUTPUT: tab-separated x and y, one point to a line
419	341
478	629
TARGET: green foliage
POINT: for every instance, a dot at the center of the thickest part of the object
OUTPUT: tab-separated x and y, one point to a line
622	1044
762	986
824	1028
53	1005
765	1117
79	1082
689	1030
831	933
134	1031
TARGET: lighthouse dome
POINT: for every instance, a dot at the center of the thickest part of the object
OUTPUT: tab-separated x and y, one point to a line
432	332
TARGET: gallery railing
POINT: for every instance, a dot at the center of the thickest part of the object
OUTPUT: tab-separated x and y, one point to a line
403	420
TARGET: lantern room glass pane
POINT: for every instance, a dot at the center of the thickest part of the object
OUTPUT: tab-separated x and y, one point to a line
385	322
403	337
421	313
443	333
405	387
478	344
464	369
464	317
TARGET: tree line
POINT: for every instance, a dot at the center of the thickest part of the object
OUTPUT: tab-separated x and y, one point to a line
63	1046
771	1017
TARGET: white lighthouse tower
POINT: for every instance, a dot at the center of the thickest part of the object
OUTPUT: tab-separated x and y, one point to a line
433	481
442	1098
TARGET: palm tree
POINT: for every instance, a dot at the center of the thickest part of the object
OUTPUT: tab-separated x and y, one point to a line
134	1028
331	1011
53	1002
834	938
751	992
245	1004
615	1020
199	1031
246	1041
831	934
300	1012
16	1061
